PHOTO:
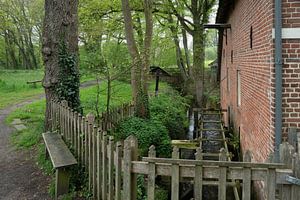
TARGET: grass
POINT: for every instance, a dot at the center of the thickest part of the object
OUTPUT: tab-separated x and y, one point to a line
14	89
13	86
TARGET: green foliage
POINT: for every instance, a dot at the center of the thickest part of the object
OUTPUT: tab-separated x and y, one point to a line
170	109
68	86
148	132
211	53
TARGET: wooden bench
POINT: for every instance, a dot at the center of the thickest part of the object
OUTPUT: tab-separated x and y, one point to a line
61	158
34	82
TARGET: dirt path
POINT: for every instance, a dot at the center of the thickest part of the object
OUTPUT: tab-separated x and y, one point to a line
20	178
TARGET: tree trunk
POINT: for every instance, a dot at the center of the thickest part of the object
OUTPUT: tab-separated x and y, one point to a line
186	51
60	25
198	64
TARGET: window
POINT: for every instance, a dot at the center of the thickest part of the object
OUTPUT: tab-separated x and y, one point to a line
238	87
228	80
251	37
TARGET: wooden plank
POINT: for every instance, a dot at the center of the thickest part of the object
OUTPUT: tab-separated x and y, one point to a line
215	163
118	173
223	176
198	180
99	164
104	166
59	153
175	175
110	168
271	186
151	175
127	169
211	172
247	178
94	150
62	178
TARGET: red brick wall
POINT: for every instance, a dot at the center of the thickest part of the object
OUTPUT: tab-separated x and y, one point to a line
291	66
253	116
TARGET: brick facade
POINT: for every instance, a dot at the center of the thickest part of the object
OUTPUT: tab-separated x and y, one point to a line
254	116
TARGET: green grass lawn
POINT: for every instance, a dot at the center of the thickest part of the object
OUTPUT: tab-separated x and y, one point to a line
13	86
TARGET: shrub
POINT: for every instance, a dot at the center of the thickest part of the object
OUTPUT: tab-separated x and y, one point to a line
170	109
148	132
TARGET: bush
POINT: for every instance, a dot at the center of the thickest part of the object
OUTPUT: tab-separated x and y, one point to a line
148	132
170	109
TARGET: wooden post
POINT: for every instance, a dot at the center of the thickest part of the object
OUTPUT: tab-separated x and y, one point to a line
99	164
82	140
292	137
198	179
94	163
175	175
61	182
110	167
151	174
130	180
286	157
223	176
247	177
104	166
79	119
91	119
118	171
296	173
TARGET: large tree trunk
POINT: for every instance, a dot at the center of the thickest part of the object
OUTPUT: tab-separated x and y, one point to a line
198	64
140	60
60	26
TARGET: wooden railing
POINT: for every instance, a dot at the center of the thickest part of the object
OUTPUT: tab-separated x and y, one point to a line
113	167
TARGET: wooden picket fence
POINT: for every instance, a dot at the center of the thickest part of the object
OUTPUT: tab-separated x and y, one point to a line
112	167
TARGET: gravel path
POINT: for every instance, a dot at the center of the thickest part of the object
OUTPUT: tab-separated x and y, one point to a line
20	178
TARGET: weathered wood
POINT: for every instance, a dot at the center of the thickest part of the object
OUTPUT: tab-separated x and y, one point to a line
223	176
110	167
296	169
151	175
247	178
91	119
94	153
118	171
62	177
127	169
82	140
175	175
99	164
58	151
198	180
271	187
292	137
104	166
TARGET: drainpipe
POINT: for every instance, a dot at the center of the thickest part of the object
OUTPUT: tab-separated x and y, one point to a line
278	78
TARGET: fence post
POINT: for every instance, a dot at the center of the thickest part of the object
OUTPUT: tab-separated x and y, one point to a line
223	175
175	175
118	171
91	118
110	167
296	173
99	164
247	177
198	179
94	163
130	180
104	165
286	157
151	174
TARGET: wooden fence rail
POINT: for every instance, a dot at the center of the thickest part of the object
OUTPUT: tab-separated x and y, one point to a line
112	167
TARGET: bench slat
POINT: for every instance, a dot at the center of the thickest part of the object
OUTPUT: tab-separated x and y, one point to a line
59	153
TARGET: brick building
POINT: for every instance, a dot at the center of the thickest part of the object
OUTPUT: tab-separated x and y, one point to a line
248	58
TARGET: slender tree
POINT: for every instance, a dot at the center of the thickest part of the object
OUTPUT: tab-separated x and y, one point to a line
140	58
60	34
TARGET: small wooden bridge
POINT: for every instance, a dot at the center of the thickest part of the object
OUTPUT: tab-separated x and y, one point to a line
113	166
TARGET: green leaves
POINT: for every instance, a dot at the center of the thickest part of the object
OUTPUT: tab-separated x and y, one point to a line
68	86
